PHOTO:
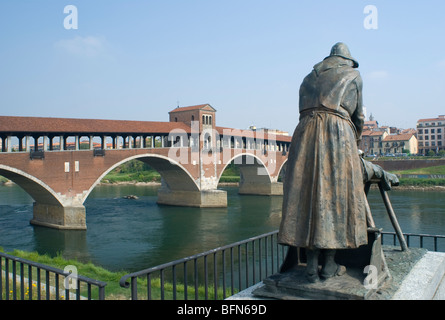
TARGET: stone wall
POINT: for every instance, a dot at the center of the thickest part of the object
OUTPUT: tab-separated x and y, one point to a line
392	165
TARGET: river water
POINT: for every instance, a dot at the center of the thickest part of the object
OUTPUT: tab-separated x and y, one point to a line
132	235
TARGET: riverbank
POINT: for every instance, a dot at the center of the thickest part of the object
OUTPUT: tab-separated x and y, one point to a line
113	290
154	183
231	177
236	184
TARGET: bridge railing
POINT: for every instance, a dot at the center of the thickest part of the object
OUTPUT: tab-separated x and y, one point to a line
22	279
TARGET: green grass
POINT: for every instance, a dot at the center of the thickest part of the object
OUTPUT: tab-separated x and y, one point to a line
85	269
232	175
143	176
422	182
136	171
113	291
429	170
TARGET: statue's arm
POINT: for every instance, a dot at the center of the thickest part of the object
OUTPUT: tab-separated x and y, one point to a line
358	117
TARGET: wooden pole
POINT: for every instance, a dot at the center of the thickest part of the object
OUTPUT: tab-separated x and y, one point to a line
393	218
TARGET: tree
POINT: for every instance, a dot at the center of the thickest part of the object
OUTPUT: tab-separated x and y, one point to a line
431	153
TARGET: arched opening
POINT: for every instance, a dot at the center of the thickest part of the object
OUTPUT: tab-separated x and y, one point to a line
254	177
39	191
174	176
250	168
282	172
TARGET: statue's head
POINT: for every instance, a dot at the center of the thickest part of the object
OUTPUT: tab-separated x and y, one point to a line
341	50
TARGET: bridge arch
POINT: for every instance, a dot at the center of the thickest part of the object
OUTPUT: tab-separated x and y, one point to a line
255	177
37	189
175	176
252	168
282	171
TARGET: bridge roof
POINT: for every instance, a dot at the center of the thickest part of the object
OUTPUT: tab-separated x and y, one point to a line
10	125
29	125
252	134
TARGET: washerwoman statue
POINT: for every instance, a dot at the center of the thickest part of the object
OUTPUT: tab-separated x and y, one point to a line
324	200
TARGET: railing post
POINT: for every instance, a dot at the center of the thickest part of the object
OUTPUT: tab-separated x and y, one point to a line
134	288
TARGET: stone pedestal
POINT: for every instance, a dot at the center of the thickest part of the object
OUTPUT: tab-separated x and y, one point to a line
59	217
293	285
367	272
415	275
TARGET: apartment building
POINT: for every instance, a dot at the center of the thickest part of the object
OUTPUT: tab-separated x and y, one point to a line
372	142
431	134
400	143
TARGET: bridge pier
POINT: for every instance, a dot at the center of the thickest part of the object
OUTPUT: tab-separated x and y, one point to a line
261	188
201	199
59	217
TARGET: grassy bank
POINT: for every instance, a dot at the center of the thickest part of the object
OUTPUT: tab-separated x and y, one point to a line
85	269
429	170
113	291
422	182
137	171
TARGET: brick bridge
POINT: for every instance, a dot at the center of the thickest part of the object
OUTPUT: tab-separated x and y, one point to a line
60	161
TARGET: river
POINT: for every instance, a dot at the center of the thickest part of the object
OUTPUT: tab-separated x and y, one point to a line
130	235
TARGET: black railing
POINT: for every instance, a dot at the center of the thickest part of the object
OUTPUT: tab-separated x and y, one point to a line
22	279
235	267
214	274
427	241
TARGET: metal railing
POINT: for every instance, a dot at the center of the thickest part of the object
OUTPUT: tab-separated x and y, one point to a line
21	279
427	241
235	267
214	274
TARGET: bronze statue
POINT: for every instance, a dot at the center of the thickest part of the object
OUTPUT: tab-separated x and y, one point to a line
324	204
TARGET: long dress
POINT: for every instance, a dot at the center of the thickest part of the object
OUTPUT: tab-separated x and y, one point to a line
324	199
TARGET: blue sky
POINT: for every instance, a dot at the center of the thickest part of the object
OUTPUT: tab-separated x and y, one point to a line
136	60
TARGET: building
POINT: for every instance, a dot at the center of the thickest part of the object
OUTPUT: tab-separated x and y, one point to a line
371	125
365	143
269	131
400	143
431	134
372	142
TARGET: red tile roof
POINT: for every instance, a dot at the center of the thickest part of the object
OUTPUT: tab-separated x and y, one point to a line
440	118
46	126
377	133
252	134
197	107
13	125
399	137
